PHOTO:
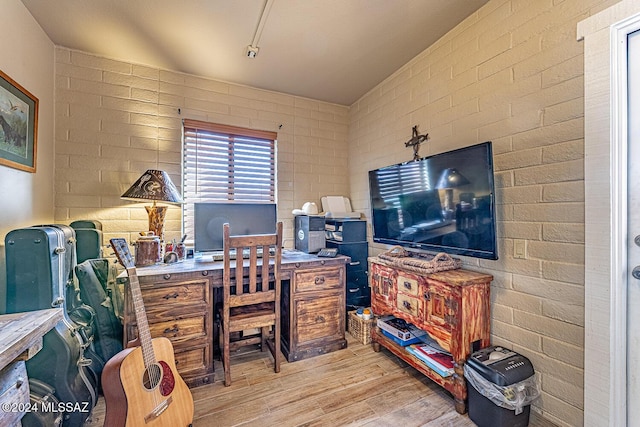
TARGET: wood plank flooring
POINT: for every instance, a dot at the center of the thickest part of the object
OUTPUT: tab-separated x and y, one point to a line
355	387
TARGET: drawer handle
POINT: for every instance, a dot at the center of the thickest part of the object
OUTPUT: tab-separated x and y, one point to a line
173	330
319	319
354	263
406	305
427	296
407	285
319	280
167	276
353	291
173	295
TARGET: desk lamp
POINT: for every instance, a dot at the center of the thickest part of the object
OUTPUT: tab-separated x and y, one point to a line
157	186
450	179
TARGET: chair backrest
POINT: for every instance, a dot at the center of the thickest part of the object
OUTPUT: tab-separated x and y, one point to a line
259	280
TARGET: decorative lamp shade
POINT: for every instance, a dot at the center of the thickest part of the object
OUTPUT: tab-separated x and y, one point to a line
451	178
154	185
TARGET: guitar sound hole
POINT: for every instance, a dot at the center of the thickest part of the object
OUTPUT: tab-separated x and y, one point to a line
152	376
159	374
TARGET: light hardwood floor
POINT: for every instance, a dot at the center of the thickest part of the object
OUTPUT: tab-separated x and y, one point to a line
355	387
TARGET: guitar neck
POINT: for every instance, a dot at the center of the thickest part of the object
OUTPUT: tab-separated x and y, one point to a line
141	318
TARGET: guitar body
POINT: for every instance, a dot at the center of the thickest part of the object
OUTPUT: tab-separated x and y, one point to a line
133	399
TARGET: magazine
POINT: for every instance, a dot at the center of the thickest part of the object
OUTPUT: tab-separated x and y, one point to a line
431	363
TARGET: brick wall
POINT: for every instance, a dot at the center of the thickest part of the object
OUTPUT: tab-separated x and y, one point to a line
511	73
114	120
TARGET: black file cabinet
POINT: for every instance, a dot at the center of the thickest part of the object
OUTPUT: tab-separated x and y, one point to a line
349	236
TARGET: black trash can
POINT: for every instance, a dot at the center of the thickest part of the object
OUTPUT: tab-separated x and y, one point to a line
501	386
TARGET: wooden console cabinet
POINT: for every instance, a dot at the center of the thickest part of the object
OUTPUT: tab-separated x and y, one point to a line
452	306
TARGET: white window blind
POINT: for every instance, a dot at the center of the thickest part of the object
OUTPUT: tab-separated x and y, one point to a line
226	164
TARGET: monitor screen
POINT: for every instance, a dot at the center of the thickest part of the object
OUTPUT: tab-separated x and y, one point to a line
243	218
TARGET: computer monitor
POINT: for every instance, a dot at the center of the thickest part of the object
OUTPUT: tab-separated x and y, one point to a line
243	218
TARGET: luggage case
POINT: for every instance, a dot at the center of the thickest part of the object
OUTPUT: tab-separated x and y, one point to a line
39	264
86	223
89	240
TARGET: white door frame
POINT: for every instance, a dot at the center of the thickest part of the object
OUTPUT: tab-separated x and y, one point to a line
619	227
605	39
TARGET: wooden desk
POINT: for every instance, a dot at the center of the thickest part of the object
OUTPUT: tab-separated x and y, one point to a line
20	339
180	298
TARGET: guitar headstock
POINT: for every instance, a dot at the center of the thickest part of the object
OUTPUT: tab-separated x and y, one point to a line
121	248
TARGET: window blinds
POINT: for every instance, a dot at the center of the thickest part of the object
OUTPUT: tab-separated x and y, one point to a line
226	163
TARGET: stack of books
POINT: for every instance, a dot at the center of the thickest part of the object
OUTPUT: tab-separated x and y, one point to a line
434	356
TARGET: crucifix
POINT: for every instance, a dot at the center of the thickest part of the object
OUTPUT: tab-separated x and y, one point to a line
415	142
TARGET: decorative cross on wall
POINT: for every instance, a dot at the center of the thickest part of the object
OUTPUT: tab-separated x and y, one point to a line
415	142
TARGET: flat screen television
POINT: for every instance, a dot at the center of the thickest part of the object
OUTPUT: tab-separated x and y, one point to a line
440	203
243	218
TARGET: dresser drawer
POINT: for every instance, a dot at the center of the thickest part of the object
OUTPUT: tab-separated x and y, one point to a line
408	284
318	279
409	304
14	393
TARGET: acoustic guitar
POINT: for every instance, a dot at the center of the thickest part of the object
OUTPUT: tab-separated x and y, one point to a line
141	385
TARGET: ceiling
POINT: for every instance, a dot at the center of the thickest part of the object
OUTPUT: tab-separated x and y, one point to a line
329	50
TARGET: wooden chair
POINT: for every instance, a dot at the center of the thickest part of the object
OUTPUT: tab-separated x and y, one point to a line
251	295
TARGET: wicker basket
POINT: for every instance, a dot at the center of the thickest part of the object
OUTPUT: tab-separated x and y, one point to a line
360	328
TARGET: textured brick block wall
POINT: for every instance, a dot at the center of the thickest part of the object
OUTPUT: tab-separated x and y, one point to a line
511	73
114	120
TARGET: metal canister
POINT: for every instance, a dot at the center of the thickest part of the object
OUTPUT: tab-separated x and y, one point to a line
148	250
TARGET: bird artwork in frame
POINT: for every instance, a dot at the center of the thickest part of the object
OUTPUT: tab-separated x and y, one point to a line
18	125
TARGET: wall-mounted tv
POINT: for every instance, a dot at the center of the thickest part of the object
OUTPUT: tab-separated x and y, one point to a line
440	203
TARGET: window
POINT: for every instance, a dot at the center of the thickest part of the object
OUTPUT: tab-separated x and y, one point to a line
226	163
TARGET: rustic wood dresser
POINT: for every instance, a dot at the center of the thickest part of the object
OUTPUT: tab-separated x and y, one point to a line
452	306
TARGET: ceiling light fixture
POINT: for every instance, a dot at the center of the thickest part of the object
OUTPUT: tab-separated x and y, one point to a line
252	49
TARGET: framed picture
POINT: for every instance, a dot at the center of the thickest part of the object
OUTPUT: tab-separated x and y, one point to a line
18	125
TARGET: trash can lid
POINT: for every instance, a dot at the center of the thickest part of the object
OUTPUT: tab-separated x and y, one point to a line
500	366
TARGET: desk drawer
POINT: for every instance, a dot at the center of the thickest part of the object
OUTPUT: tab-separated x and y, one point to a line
193	357
319	318
160	295
177	330
318	279
14	393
